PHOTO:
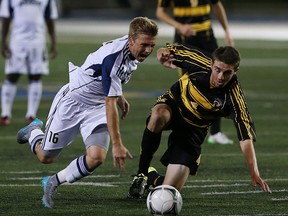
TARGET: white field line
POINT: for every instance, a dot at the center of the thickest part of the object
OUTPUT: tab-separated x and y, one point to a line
95	184
116	184
212	181
89	177
242	192
280	199
263	215
118	176
236	182
216	185
21	172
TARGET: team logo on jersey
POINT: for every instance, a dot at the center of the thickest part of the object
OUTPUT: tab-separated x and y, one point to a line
194	105
217	103
161	99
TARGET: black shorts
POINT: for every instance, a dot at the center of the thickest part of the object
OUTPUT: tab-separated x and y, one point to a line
185	140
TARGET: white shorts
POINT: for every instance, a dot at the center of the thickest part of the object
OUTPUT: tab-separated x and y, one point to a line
67	117
30	59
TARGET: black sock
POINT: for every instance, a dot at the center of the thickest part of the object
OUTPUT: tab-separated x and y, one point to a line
215	127
149	145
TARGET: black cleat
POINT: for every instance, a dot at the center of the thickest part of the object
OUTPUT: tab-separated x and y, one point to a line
137	189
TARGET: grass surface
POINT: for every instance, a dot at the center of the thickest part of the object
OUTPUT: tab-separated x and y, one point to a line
222	186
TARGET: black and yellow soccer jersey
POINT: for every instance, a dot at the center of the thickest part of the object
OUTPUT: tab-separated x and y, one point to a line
199	102
194	12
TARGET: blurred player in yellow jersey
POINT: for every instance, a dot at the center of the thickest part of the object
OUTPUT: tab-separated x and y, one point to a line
193	27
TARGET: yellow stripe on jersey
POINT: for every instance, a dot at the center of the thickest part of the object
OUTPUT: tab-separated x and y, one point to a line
194	56
183	81
236	92
202	26
188	88
192	11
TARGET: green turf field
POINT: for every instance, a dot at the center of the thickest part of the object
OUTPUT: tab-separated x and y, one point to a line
222	186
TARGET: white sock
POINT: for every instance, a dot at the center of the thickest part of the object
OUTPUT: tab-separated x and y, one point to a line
36	136
76	170
8	93
34	92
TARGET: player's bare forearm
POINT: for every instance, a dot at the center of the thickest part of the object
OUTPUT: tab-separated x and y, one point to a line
248	150
250	156
113	120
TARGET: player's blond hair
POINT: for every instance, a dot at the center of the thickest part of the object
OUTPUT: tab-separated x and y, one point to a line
142	25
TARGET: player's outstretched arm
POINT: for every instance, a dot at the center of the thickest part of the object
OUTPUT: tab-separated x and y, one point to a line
119	151
250	156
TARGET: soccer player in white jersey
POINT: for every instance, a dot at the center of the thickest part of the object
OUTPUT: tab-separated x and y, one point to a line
26	53
88	104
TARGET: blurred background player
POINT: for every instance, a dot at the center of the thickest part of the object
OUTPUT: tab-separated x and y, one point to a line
26	53
193	27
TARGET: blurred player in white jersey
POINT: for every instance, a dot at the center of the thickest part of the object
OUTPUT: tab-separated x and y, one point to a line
88	104
26	53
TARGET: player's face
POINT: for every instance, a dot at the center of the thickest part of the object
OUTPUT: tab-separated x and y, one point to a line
221	74
142	46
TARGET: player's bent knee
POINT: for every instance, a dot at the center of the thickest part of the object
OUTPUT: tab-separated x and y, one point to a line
47	156
94	162
158	121
46	160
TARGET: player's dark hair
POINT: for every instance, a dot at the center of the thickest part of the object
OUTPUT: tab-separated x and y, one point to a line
142	25
227	54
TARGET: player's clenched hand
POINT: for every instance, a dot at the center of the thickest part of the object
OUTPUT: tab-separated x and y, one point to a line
186	30
53	51
119	155
6	51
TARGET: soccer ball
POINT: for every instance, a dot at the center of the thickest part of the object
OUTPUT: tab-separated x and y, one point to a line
164	200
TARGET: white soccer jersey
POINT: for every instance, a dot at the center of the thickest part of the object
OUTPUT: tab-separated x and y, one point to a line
28	19
80	104
103	73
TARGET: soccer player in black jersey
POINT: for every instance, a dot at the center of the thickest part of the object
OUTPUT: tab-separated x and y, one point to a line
208	90
193	27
